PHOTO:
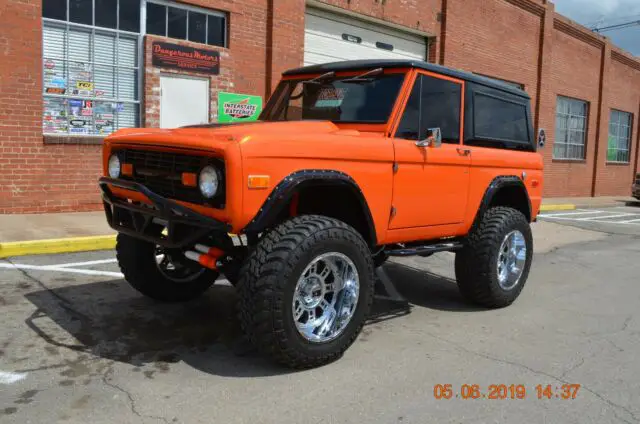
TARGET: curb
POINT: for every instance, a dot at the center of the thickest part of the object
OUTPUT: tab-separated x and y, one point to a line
559	207
50	246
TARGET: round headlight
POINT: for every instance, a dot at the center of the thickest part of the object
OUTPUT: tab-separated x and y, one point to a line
208	181
114	166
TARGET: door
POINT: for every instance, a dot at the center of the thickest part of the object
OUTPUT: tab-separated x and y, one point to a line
331	37
431	184
183	101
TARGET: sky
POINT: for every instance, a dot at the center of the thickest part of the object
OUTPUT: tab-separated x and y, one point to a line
606	12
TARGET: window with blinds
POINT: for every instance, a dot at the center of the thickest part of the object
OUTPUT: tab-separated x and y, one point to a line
619	136
571	129
90	73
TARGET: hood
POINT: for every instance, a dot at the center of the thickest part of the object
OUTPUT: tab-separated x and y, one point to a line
217	136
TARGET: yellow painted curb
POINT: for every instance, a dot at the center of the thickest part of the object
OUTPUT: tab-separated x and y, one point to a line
71	244
565	207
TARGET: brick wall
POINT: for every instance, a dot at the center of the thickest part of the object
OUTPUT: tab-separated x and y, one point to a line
523	41
35	177
615	178
222	82
494	38
575	73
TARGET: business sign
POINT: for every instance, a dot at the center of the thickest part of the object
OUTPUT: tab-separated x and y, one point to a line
175	56
238	107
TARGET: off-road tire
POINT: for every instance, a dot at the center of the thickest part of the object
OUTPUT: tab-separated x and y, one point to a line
137	262
476	262
269	278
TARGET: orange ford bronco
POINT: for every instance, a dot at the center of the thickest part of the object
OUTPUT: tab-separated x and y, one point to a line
349	163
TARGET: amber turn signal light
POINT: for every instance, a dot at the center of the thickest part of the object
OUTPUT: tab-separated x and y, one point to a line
127	169
259	181
189	179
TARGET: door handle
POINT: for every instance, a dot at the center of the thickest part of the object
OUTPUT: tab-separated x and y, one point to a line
463	152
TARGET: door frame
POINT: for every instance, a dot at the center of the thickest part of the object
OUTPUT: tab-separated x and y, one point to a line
406	93
437	230
182	76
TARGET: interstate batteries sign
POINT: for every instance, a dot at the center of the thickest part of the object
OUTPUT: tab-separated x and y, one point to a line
238	107
175	56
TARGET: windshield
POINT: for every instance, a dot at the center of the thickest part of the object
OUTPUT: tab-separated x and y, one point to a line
341	99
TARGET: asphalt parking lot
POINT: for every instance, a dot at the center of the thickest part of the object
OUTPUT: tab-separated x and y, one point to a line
78	345
616	220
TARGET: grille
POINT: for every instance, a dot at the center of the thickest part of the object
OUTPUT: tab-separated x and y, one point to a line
161	172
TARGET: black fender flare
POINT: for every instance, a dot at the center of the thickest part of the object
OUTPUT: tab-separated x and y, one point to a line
495	186
284	191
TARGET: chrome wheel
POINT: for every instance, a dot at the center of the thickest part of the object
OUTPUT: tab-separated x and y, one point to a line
511	260
175	270
326	297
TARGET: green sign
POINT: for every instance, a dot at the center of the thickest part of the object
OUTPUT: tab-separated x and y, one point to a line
612	153
234	107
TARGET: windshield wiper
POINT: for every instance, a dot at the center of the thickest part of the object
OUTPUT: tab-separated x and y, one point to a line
363	77
317	79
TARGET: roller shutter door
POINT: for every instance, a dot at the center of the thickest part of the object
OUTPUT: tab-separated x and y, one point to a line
331	37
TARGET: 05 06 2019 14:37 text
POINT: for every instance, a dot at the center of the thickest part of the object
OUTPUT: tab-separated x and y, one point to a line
506	391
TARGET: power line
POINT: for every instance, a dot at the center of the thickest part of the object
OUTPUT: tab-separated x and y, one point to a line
612	20
617	26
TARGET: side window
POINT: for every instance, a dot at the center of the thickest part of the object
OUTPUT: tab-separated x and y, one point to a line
441	108
498	119
433	103
409	127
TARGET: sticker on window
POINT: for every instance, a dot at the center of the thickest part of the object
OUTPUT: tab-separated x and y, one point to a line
74	107
330	97
54	116
55	90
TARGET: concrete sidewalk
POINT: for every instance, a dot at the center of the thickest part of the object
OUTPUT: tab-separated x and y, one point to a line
85	224
79	231
23	227
556	203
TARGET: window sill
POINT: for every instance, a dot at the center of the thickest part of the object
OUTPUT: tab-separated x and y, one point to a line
617	163
72	139
569	160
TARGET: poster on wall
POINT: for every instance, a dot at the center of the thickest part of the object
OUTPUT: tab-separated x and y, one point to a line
175	56
233	107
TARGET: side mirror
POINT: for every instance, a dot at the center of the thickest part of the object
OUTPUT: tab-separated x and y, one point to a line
434	138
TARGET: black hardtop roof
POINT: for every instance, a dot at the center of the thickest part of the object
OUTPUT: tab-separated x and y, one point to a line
349	65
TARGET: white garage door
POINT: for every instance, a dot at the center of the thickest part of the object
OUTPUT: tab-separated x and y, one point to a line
330	37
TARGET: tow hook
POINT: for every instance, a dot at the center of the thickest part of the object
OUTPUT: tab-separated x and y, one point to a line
206	256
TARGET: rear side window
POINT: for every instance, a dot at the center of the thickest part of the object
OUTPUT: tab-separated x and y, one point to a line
433	103
499	119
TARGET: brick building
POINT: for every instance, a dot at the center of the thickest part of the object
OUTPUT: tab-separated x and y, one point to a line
72	71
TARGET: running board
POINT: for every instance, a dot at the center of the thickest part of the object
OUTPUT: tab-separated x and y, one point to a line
425	250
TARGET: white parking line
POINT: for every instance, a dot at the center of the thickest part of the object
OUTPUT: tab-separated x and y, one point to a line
618	215
578	212
62	269
611	216
631	221
72	264
8	377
